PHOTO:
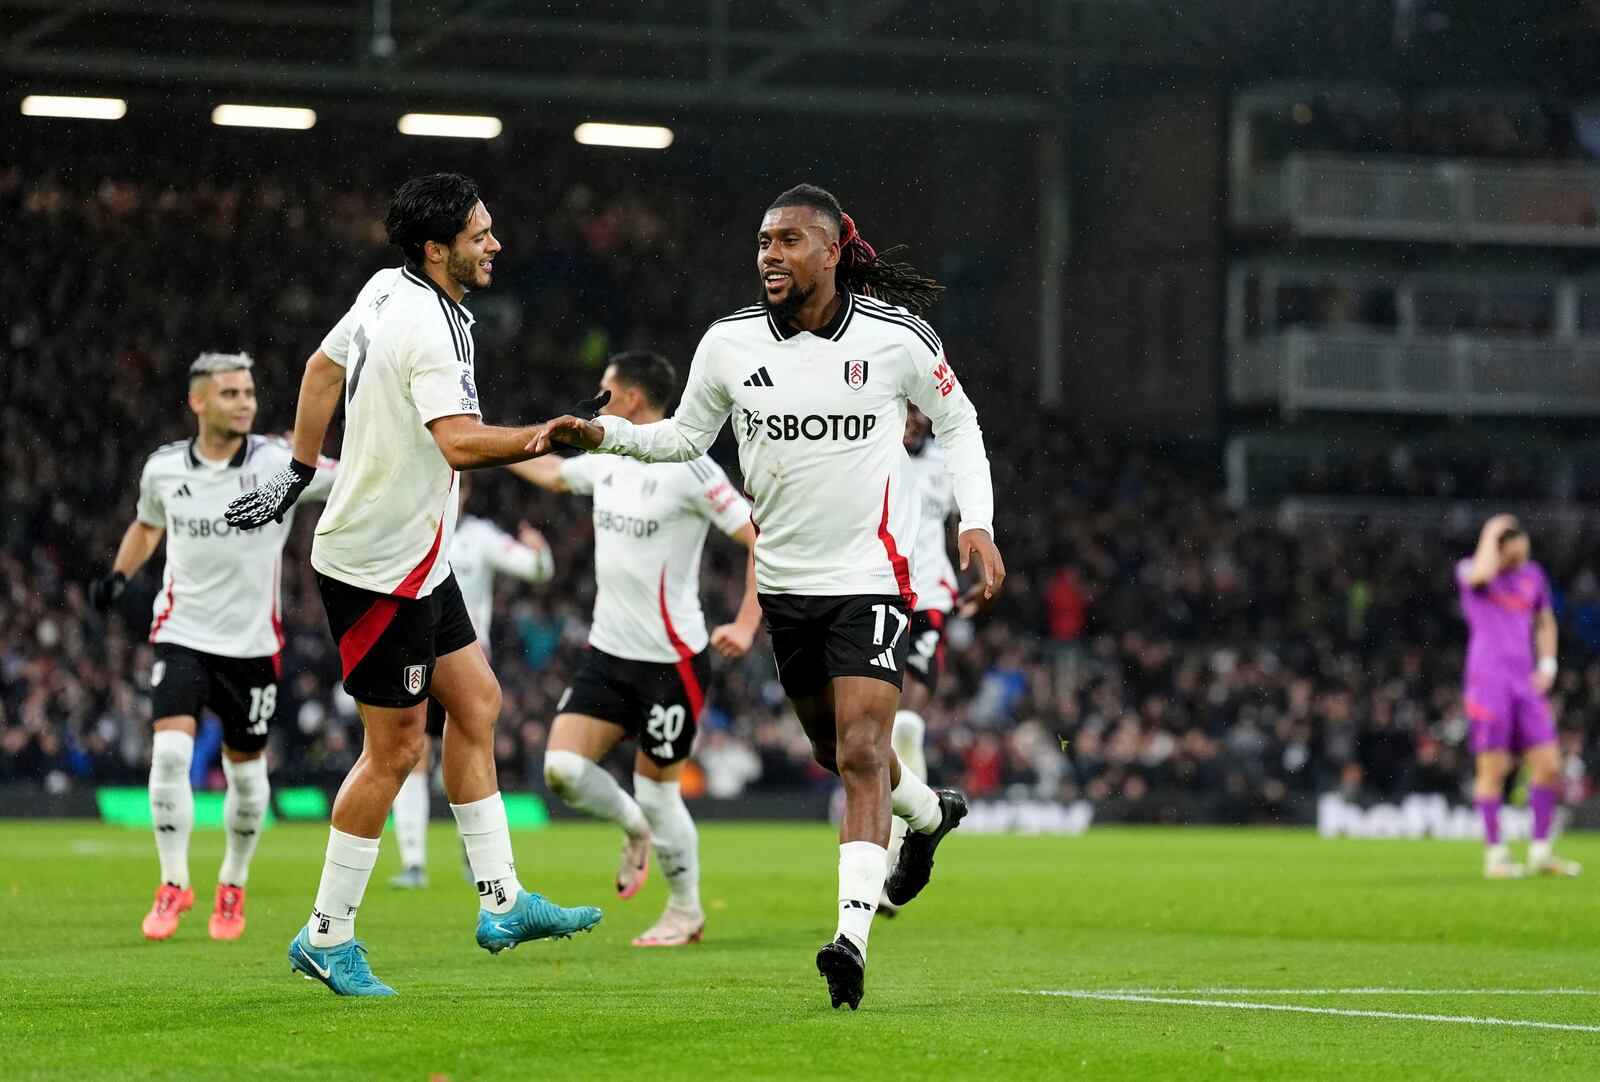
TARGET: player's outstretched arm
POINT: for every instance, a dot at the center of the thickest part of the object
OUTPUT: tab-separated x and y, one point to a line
469	444
138	544
735	639
321	387
1486	558
544	472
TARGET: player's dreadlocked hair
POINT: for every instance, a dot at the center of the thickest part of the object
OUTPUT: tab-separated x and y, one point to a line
861	268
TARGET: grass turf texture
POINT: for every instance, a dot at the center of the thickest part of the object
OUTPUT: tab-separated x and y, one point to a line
84	997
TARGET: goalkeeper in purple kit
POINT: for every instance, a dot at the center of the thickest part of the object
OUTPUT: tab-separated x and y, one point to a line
1505	598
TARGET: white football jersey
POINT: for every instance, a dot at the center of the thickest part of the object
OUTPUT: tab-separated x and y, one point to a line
819	419
219	589
933	576
479	552
650	522
407	352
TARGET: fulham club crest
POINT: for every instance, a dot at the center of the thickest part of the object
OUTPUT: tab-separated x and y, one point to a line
414	677
855	374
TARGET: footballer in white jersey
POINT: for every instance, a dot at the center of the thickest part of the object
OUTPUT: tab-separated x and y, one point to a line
403	362
815	381
215	628
645	673
479	552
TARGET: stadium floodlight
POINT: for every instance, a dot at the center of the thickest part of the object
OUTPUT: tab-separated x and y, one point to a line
263	116
637	136
74	107
450	125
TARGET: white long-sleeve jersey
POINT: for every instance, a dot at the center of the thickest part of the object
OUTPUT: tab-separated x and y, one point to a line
818	418
479	551
933	576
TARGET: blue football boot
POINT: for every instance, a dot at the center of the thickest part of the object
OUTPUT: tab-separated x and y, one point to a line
342	968
533	916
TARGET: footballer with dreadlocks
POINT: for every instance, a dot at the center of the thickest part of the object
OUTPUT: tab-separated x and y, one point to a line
816	379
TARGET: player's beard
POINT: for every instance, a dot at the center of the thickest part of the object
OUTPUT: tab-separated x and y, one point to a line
463	272
792	302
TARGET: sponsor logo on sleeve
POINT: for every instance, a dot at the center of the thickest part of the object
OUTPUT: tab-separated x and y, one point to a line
944	377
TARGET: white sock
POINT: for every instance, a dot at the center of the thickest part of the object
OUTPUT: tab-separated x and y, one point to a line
914	802
1497	854
1540	852
172	803
863	867
244	809
487	838
584	786
907	742
674	838
344	883
411	820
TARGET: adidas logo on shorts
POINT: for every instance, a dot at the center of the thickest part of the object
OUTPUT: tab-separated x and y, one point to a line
885	660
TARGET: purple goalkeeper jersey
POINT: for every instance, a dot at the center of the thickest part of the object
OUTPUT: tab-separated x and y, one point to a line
1500	619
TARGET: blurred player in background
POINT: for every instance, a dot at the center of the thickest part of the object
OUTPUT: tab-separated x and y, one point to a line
645	673
215	628
480	551
933	579
402	361
816	379
1505	598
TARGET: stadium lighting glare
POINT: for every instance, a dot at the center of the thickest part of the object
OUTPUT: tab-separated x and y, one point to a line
638	136
450	125
263	116
74	107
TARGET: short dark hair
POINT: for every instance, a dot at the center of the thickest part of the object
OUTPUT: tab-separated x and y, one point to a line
650	372
809	195
435	207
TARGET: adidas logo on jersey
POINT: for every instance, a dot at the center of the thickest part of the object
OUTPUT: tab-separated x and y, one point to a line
759	378
885	660
183	490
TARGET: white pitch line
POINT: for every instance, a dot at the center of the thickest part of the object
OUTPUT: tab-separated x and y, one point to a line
1467	1020
1326	991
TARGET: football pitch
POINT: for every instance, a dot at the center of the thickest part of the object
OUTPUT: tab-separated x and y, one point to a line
1122	954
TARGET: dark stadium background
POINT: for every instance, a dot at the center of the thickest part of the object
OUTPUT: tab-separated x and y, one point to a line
1265	307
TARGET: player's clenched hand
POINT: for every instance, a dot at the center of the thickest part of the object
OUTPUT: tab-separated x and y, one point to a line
731	640
272	500
978	543
105	590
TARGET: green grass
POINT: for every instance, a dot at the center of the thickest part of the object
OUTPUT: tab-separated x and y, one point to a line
82	996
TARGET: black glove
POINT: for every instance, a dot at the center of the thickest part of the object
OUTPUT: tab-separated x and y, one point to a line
104	591
590	408
269	502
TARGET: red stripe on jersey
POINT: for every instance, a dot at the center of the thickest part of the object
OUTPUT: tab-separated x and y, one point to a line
155	627
277	624
902	569
691	682
419	574
356	643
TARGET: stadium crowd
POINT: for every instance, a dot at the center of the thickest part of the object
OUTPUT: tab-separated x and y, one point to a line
1154	650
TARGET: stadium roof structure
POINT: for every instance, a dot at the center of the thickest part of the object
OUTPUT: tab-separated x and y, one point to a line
995	61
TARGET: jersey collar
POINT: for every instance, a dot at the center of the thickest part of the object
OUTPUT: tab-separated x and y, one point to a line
233	463
428	283
833	330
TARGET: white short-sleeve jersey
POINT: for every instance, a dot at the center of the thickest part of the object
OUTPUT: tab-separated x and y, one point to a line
407	352
933	576
219	589
650	522
482	550
819	419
